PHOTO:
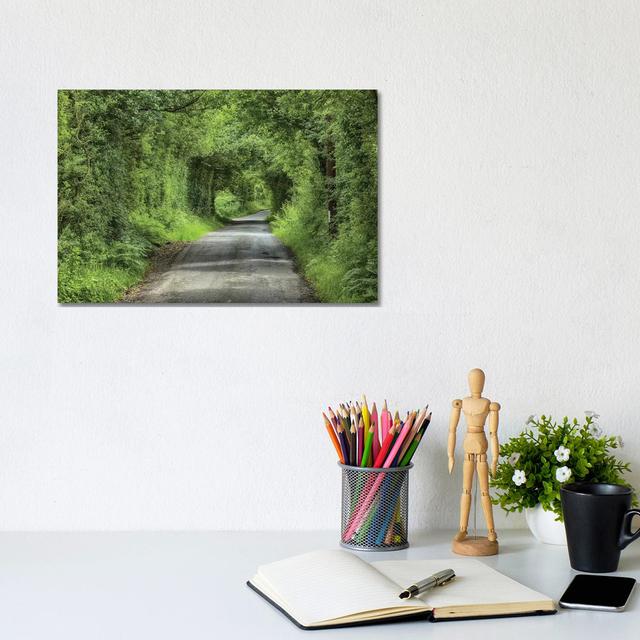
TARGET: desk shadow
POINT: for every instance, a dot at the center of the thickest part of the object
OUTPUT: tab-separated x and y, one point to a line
513	547
630	563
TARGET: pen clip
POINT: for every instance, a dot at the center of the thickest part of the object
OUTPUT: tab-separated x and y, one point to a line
447	580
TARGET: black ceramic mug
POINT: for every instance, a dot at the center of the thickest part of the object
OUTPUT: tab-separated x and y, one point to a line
597	519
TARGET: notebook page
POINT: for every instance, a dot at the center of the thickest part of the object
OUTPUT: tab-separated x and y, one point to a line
475	582
324	585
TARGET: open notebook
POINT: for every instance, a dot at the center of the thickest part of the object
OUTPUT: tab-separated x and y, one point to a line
336	588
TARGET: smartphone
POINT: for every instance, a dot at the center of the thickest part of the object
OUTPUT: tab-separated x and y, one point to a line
602	593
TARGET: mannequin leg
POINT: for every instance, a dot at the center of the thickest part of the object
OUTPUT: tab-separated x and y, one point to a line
483	481
465	498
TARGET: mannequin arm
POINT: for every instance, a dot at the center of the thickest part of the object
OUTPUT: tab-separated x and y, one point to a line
453	425
494	408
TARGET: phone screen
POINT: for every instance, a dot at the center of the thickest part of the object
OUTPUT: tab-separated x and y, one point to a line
598	591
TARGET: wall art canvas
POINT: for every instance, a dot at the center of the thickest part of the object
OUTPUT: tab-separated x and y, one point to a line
217	196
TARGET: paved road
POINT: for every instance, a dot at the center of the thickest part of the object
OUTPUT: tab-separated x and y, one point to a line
242	262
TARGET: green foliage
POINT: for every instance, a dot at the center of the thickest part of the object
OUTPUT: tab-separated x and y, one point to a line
228	204
137	169
544	453
330	222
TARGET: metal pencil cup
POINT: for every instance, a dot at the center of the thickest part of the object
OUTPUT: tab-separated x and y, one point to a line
375	505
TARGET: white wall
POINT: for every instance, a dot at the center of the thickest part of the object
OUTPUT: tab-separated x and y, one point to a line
509	228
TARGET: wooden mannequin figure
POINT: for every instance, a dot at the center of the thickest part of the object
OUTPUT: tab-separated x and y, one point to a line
475	409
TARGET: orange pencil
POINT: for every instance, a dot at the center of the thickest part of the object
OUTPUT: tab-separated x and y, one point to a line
334	438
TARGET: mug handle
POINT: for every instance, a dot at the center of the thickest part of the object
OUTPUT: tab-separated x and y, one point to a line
626	537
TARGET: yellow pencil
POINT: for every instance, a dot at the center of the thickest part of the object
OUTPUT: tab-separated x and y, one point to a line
366	417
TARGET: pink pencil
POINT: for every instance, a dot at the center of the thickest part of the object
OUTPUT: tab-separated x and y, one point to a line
376	431
364	507
385	422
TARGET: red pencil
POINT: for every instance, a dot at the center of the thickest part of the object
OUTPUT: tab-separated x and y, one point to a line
386	445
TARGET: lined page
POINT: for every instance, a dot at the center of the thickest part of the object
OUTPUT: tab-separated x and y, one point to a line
324	585
475	582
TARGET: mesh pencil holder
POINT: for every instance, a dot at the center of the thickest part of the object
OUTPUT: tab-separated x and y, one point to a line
375	506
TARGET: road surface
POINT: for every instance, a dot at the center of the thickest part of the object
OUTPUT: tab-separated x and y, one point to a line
242	262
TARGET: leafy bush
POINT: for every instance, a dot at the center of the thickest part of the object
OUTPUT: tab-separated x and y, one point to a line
542	458
90	270
228	205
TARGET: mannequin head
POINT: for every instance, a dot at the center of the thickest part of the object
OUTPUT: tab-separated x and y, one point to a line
476	382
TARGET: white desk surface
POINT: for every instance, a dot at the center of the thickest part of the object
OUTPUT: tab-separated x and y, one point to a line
189	586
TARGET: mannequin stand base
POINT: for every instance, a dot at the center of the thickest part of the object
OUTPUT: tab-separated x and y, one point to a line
475	546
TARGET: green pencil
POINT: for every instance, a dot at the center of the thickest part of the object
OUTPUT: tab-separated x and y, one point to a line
368	444
406	459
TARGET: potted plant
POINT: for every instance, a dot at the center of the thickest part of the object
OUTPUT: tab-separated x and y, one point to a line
534	465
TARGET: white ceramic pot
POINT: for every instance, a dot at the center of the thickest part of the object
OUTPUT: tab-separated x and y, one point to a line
544	526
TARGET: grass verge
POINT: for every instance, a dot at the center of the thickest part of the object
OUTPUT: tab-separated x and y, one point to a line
92	271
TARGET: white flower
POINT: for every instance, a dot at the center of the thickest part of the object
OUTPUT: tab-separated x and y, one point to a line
561	454
591	414
563	474
531	419
620	441
518	477
595	430
513	458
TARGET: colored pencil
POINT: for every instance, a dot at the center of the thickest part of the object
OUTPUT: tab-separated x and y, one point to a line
389	494
410	451
385	422
361	439
334	438
412	434
385	533
344	420
368	445
406	458
353	452
366	418
376	432
334	420
384	449
353	416
342	438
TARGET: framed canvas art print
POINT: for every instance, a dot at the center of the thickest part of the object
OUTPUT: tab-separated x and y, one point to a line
217	196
